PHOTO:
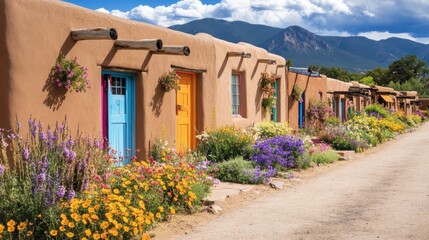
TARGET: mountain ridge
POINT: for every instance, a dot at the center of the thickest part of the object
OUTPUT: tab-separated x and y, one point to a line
304	48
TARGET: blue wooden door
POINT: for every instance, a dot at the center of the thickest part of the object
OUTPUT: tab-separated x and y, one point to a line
120	114
342	109
274	110
301	111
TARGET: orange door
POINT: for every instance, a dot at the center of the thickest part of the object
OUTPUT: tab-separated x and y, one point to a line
185	111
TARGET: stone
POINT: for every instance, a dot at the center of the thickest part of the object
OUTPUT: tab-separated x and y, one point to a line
277	184
214	209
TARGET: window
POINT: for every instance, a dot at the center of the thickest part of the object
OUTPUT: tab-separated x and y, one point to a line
238	99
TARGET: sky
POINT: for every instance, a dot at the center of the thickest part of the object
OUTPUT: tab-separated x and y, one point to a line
374	19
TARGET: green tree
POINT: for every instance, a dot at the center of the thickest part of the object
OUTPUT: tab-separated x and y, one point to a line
378	75
369	81
407	68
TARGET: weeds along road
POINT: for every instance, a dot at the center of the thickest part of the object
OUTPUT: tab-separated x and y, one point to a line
384	195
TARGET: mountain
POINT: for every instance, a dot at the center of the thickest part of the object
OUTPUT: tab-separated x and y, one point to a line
306	48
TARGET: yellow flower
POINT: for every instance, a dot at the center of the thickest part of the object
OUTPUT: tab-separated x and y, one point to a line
88	232
1	228
53	233
84	238
125	219
10	228
91	210
104	235
11	223
145	236
104	225
21	226
126	229
29	233
113	231
116	191
158	215
172	210
161	208
62	228
96	236
70	235
71	225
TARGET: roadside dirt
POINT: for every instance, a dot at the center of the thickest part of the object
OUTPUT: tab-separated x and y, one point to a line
179	226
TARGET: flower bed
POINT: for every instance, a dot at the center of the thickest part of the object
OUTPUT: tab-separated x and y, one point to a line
55	186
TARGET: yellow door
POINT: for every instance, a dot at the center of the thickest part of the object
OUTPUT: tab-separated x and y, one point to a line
185	111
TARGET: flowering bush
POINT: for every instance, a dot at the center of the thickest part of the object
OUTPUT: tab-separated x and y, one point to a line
43	170
317	113
322	153
296	93
70	75
376	110
170	81
268	129
224	143
279	151
137	196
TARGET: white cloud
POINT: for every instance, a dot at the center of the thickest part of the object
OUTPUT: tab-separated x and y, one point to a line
368	13
277	13
385	35
336	17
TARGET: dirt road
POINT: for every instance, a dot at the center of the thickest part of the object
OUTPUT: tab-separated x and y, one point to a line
384	195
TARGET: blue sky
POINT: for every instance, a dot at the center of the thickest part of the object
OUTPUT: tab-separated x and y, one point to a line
376	20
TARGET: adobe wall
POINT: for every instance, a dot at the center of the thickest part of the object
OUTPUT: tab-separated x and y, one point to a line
35	41
315	89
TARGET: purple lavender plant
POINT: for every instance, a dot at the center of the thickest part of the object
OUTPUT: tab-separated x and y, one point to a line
279	150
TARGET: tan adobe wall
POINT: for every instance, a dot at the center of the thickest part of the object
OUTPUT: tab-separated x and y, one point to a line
34	42
314	87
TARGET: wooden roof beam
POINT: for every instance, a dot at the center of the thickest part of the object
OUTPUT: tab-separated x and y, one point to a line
174	50
239	54
268	61
94	34
149	44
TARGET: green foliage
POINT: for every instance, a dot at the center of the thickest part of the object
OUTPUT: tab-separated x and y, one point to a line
413	84
225	143
407	68
236	170
70	75
378	74
375	108
369	81
268	129
333	121
340	74
324	157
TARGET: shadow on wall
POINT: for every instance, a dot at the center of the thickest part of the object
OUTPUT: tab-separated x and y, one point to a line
157	100
56	95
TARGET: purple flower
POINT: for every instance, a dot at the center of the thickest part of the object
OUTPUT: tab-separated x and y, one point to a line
61	191
26	154
71	194
2	169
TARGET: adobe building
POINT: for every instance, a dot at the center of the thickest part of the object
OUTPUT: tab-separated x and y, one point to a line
313	87
219	80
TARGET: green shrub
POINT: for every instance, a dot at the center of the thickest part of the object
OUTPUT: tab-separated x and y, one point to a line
324	157
415	118
239	170
225	143
341	143
333	121
377	109
268	129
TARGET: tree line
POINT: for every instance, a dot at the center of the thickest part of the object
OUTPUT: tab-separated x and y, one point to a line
406	74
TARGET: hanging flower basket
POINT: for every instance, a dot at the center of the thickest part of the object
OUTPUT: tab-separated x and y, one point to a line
297	94
268	102
70	75
266	85
170	81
